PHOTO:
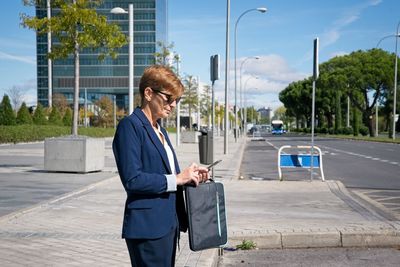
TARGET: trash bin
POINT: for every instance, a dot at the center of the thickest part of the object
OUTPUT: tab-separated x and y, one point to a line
206	147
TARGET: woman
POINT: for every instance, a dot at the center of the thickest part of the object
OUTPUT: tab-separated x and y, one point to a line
149	171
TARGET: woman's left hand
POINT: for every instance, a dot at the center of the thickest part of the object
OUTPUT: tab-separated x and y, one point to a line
203	174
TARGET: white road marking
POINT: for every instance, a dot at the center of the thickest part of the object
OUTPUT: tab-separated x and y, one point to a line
362	156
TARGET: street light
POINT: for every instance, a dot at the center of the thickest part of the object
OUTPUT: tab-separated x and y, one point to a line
245	102
397	35
241	92
259	9
118	10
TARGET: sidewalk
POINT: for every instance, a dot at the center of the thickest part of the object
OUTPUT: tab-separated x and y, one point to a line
83	227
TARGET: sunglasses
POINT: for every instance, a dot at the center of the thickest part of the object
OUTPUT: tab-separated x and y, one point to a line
170	98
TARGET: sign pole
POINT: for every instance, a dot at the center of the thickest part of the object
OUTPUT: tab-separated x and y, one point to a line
315	77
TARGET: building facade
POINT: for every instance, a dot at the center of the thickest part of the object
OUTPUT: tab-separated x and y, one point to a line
109	77
265	114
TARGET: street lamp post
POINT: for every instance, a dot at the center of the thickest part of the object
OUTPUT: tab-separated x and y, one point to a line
395	84
245	102
118	10
178	108
241	91
259	9
226	115
397	35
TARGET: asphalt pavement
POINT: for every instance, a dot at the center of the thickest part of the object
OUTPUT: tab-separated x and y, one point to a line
80	225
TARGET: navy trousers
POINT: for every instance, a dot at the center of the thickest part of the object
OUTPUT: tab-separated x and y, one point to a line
153	252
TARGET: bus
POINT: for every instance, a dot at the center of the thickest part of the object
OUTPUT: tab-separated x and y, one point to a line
277	127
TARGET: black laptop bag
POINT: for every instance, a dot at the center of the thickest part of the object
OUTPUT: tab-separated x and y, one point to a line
206	215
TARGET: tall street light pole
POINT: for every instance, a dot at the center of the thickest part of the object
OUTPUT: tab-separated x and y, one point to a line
178	109
245	102
49	61
397	35
259	9
228	14
118	10
395	85
241	92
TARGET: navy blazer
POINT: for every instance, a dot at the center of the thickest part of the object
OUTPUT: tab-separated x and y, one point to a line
142	162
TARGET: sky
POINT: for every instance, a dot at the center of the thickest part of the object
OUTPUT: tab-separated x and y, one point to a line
281	38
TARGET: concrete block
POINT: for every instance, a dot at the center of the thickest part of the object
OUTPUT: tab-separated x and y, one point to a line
74	154
310	239
384	238
190	137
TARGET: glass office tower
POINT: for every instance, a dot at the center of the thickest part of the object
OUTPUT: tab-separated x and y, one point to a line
111	76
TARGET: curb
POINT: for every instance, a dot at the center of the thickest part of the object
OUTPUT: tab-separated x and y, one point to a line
57	199
282	240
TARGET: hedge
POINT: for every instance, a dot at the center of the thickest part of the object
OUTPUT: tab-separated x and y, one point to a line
30	133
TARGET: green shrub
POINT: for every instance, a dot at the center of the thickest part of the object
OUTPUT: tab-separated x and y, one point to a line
323	130
39	117
331	131
30	133
7	115
364	131
55	117
96	132
67	119
23	115
347	130
339	130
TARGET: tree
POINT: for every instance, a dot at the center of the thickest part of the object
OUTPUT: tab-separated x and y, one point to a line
297	100
76	26
60	101
39	117
205	103
338	112
55	117
67	119
279	113
7	114
105	112
364	76
190	96
356	122
251	114
23	115
163	55
15	96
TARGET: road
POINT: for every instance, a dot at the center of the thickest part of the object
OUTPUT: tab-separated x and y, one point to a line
24	182
371	170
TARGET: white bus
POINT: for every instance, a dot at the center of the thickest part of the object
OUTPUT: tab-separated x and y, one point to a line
277	127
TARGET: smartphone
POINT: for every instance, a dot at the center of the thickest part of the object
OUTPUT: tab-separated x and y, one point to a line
213	164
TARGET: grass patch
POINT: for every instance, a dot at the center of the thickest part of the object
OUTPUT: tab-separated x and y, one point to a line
246	245
31	133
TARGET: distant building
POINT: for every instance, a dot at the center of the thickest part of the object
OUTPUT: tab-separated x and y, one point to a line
265	114
111	76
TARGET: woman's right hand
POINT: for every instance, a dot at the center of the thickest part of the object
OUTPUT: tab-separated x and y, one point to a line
189	175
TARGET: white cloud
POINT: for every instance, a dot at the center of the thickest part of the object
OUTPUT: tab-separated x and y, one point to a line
338	54
26	59
334	33
273	75
275	68
28	91
352	14
30	99
329	38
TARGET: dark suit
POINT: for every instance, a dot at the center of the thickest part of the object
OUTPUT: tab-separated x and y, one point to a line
150	211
